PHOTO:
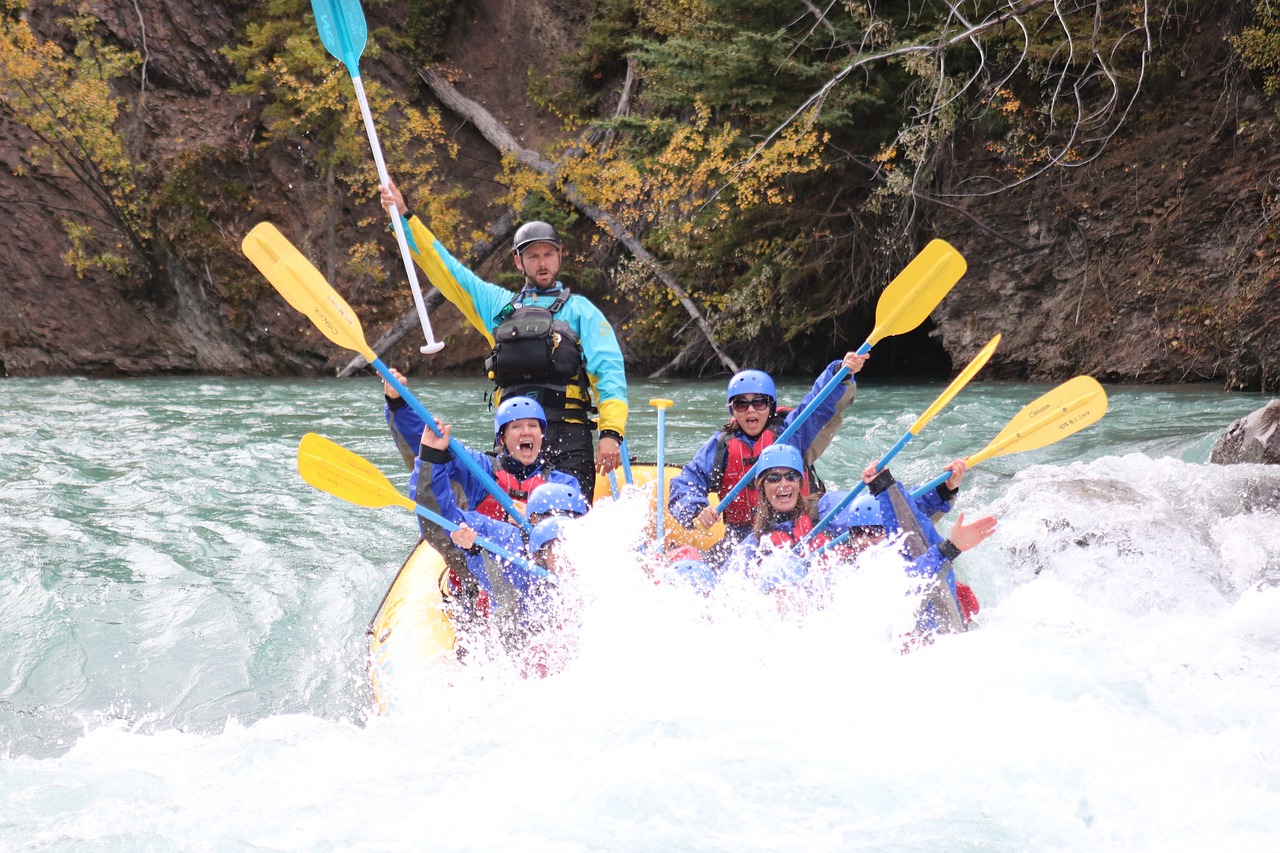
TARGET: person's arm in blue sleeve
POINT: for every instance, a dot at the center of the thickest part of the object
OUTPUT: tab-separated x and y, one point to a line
843	398
605	369
433	490
932	504
480	301
405	425
432	487
825	414
939	501
688	490
473	488
940	551
406	428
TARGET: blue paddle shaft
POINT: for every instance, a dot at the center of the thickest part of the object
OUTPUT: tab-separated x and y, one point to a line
659	502
839	540
491	547
855	491
808	410
626	464
932	484
459	452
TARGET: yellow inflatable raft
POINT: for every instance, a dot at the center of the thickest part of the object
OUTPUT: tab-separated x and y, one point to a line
411	637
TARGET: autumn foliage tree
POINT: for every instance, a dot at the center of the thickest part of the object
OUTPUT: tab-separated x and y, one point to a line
787	159
68	103
308	104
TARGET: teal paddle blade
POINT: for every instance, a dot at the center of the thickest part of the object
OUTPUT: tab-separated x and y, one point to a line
343	31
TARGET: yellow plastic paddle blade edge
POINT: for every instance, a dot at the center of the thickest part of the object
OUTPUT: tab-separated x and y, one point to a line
304	287
978	362
917	290
332	468
1064	411
675	534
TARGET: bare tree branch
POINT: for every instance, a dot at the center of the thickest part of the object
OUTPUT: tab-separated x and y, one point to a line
1092	123
501	138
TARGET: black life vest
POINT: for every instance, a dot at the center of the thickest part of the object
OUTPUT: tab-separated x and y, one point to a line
537	356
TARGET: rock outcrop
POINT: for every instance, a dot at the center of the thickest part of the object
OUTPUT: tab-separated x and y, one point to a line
1254	438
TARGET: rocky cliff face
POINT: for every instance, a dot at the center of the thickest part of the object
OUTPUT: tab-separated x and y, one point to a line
53	322
1155	263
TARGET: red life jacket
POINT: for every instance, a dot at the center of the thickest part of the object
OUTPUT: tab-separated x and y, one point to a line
457	590
518	490
799	529
735	455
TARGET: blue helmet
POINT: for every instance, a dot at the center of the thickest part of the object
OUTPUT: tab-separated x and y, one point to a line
780	456
864	512
697	573
545	531
556	497
515	408
752	382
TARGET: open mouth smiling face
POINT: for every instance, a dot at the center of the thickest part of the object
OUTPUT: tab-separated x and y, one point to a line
781	488
751	413
523	439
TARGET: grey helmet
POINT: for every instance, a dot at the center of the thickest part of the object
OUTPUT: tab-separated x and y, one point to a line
535	232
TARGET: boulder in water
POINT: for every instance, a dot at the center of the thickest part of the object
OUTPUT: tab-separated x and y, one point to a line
1253	438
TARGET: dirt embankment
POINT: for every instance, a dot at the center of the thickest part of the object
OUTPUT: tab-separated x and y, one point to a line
1157	262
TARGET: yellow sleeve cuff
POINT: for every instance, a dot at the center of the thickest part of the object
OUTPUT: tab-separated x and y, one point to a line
613	416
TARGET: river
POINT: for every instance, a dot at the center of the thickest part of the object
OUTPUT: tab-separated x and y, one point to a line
183	642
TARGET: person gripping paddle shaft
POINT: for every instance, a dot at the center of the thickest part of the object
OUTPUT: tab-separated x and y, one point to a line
580	380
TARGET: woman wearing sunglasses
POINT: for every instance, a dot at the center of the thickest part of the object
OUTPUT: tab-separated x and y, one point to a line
754	423
785	516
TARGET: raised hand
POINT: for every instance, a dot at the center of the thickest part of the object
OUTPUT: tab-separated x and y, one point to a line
965	536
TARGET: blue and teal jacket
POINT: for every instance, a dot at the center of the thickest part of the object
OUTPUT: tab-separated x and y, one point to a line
481	302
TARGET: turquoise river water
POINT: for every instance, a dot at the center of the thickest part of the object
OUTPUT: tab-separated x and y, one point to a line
182	647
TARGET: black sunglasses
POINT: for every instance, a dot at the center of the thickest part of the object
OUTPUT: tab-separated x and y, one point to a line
741	404
775	477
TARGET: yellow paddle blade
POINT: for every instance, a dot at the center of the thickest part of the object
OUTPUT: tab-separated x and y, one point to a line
304	287
917	290
1065	410
332	468
959	382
